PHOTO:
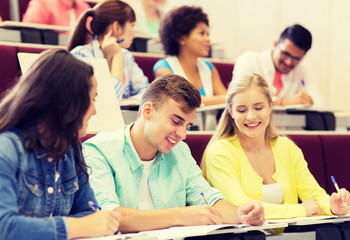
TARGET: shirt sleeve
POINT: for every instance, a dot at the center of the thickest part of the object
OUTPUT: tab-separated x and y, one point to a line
101	177
307	186
161	63
196	184
312	89
222	173
245	64
138	80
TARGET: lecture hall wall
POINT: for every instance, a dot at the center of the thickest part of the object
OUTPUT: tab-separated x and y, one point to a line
240	25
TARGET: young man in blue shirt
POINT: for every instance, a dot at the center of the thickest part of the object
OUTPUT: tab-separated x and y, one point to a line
145	171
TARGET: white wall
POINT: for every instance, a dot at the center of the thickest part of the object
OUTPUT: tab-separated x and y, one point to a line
240	25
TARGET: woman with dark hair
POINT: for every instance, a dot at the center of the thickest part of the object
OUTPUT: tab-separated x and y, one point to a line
184	34
104	32
44	186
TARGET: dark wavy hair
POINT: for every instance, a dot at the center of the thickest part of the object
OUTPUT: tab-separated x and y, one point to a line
177	23
54	97
299	35
103	15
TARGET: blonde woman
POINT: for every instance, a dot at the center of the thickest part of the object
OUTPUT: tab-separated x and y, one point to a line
247	160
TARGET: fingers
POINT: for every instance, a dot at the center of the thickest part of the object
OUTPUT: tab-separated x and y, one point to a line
305	98
255	214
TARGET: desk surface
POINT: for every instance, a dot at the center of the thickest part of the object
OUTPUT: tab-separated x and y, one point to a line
16	25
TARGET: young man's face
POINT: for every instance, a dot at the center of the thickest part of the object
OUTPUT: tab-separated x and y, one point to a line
286	56
167	126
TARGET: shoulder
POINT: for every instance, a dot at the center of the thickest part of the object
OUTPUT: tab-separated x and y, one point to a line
229	143
11	137
11	145
180	155
161	63
285	144
82	51
106	143
209	64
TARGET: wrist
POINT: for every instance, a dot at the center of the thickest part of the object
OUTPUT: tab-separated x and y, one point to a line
281	102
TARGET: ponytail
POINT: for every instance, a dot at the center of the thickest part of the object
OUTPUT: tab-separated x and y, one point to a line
82	33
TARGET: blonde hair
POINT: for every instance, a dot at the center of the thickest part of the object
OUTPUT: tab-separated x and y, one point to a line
227	126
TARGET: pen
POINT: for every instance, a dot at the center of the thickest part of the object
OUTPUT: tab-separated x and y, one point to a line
302	82
205	200
97	209
120	40
338	190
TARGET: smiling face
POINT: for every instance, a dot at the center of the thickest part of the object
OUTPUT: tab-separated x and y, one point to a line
198	41
251	112
91	110
286	56
167	126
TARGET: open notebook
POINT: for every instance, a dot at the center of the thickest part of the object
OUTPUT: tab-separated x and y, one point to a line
109	116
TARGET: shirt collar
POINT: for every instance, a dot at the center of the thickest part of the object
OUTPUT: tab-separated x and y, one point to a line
130	152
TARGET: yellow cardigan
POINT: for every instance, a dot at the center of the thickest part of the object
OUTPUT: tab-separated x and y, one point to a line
229	170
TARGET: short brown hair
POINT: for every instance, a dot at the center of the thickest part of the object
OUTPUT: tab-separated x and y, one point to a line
175	87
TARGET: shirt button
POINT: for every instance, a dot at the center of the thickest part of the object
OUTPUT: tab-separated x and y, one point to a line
59	190
141	166
138	179
50	159
50	190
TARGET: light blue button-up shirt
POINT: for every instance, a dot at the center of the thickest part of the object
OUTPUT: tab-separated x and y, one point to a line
175	179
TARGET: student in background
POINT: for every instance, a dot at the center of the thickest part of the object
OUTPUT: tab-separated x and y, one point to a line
247	160
185	36
287	77
44	186
148	15
104	32
55	12
145	172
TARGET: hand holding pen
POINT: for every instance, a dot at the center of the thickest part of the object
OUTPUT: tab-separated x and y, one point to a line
96	208
339	202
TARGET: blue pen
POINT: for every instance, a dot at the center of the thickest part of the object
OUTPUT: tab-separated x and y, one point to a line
205	200
338	190
97	209
120	40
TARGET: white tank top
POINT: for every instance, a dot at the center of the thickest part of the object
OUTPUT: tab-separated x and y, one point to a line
272	193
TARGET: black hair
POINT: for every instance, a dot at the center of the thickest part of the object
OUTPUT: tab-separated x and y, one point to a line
177	23
300	36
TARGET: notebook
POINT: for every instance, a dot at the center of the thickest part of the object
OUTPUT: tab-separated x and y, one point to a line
109	116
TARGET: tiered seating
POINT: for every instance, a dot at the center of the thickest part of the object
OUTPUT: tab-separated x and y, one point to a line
10	68
326	155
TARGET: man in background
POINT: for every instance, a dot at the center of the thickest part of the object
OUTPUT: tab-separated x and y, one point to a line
282	69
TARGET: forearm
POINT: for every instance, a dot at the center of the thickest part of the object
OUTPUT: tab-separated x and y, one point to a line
219	99
228	211
116	66
134	220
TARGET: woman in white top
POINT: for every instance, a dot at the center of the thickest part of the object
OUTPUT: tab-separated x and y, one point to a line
184	34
